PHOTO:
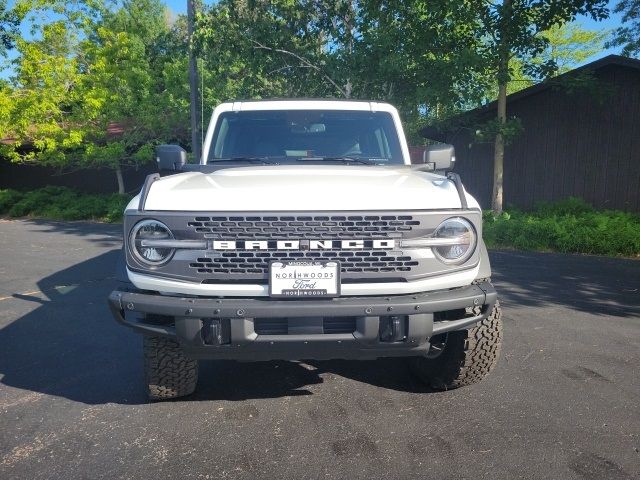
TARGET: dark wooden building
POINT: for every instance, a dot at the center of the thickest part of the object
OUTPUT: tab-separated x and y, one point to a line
580	138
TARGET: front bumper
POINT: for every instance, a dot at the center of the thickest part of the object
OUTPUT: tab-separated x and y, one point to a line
190	315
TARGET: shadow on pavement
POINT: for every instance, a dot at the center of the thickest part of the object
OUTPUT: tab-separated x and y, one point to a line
70	347
228	380
590	284
106	234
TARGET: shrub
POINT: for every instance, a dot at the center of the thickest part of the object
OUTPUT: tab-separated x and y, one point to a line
62	203
8	198
568	226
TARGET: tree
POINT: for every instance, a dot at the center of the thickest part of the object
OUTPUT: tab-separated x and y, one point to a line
414	54
123	61
568	46
42	106
85	70
266	48
628	35
421	56
514	29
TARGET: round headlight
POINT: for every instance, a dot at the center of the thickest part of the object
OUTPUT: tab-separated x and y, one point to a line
149	230
463	240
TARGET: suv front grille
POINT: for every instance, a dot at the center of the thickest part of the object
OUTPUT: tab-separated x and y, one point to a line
299	227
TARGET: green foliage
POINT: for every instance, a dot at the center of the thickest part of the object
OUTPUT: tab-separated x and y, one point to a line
627	35
88	68
523	30
509	130
570	226
61	203
417	55
568	46
8	198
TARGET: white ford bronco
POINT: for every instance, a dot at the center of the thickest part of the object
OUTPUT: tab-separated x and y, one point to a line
304	232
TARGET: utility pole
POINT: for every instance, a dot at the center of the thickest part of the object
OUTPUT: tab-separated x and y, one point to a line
193	82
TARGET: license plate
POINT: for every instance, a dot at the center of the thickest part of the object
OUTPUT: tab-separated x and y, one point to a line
304	279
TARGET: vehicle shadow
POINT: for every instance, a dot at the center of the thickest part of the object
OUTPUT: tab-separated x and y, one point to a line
69	346
229	380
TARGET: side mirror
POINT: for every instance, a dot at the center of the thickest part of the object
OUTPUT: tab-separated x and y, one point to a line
170	157
440	156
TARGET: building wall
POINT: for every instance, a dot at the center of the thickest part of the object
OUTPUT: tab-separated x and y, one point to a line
584	144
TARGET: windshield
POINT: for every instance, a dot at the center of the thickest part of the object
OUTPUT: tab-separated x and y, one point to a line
306	135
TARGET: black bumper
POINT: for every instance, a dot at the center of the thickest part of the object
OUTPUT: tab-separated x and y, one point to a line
190	314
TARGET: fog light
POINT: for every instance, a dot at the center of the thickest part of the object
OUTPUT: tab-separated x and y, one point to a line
393	328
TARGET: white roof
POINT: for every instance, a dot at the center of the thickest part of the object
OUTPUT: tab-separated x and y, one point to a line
307	104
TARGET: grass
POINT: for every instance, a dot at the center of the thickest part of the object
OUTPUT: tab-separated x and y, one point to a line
62	203
569	226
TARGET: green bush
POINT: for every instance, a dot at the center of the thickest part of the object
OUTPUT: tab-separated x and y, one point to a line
8	198
62	203
568	226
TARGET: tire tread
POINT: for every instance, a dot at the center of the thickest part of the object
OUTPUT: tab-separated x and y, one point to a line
168	372
468	357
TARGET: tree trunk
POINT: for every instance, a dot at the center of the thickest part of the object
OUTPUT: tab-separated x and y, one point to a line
193	83
498	158
504	50
120	179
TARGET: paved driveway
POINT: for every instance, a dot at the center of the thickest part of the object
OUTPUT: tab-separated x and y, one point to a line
564	402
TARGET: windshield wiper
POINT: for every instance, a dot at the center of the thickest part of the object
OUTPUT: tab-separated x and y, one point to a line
263	160
335	159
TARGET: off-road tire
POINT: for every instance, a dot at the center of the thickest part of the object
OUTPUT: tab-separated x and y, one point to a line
468	356
168	372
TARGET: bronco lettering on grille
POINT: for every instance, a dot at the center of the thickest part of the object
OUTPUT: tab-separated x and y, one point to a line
303	244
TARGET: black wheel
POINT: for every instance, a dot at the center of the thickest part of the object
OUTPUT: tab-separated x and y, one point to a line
168	372
461	358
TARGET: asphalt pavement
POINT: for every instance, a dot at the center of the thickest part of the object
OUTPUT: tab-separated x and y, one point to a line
563	403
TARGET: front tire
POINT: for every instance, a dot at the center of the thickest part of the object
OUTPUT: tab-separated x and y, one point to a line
466	356
168	372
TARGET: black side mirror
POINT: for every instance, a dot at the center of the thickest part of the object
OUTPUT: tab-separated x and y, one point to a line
440	156
170	157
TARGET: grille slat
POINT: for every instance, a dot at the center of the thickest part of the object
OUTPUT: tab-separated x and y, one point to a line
282	228
258	262
280	326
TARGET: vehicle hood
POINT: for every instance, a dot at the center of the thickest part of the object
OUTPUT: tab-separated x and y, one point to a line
304	188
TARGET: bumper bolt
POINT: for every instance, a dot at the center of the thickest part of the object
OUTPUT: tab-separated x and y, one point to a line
189	311
217	311
389	309
240	313
368	310
476	301
417	307
130	306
